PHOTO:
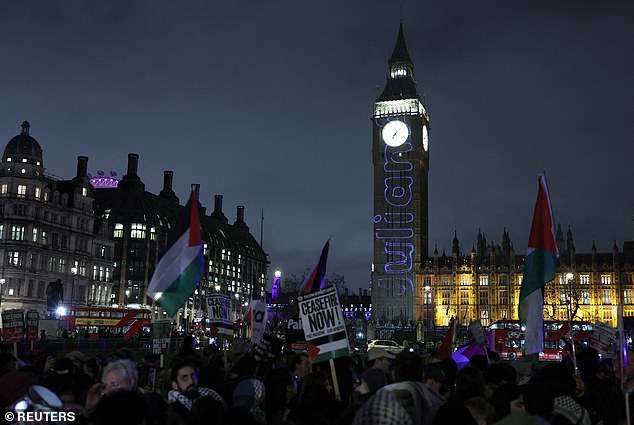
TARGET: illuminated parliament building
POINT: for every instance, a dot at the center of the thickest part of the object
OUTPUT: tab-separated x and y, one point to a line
100	237
414	290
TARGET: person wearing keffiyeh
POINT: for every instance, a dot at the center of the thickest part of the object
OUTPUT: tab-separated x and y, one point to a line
185	392
382	409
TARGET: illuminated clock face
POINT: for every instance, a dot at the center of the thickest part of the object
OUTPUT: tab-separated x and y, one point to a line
425	138
395	133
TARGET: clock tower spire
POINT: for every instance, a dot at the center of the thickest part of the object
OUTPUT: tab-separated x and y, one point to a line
400	156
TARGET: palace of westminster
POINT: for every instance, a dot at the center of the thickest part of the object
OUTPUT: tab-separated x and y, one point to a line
100	238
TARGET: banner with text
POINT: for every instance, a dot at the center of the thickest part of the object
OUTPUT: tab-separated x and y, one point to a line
257	316
602	337
12	326
323	323
160	336
32	325
219	314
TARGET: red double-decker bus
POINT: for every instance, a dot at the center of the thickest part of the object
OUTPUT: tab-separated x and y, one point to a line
109	321
507	337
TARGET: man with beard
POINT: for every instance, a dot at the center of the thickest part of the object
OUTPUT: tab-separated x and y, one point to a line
185	392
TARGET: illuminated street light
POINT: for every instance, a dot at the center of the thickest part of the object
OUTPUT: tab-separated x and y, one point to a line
73	271
2	281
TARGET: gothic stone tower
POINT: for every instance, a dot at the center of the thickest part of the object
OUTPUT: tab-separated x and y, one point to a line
400	155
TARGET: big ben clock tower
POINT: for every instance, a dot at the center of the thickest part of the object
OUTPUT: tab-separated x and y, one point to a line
400	155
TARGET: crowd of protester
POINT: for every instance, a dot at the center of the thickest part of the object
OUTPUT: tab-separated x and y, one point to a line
232	387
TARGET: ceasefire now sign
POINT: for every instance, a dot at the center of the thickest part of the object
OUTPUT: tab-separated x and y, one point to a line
323	323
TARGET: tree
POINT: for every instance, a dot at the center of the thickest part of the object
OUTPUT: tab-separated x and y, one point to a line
561	300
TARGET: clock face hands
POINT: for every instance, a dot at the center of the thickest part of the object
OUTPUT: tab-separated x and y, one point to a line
395	133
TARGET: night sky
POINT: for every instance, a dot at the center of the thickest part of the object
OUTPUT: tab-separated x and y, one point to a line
269	104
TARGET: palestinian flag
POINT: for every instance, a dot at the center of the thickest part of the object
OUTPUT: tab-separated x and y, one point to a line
539	269
315	279
181	266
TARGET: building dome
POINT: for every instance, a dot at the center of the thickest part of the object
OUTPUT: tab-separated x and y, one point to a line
23	146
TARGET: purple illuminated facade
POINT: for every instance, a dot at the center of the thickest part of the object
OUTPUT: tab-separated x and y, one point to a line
103	181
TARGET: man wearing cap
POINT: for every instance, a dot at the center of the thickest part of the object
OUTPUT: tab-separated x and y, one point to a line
380	359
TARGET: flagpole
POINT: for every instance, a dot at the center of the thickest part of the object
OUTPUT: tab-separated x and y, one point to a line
569	277
262	229
623	358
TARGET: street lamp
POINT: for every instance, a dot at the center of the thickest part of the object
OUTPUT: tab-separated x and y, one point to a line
427	306
569	278
2	281
73	271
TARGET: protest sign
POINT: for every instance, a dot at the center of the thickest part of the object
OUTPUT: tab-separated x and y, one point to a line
602	336
267	348
12	326
160	336
257	317
32	325
219	314
478	334
323	323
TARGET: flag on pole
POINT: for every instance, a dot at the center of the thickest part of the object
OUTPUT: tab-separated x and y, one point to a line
181	266
315	279
446	346
540	268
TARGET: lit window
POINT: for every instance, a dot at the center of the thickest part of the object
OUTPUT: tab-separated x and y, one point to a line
35	234
24	160
504	297
17	233
4	189
585	297
137	231
564	298
628	296
23	171
21	191
9	159
584	279
15	258
118	230
84	191
484	280
606	296
606	279
38	193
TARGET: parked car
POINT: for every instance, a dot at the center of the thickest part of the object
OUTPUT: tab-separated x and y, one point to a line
386	344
